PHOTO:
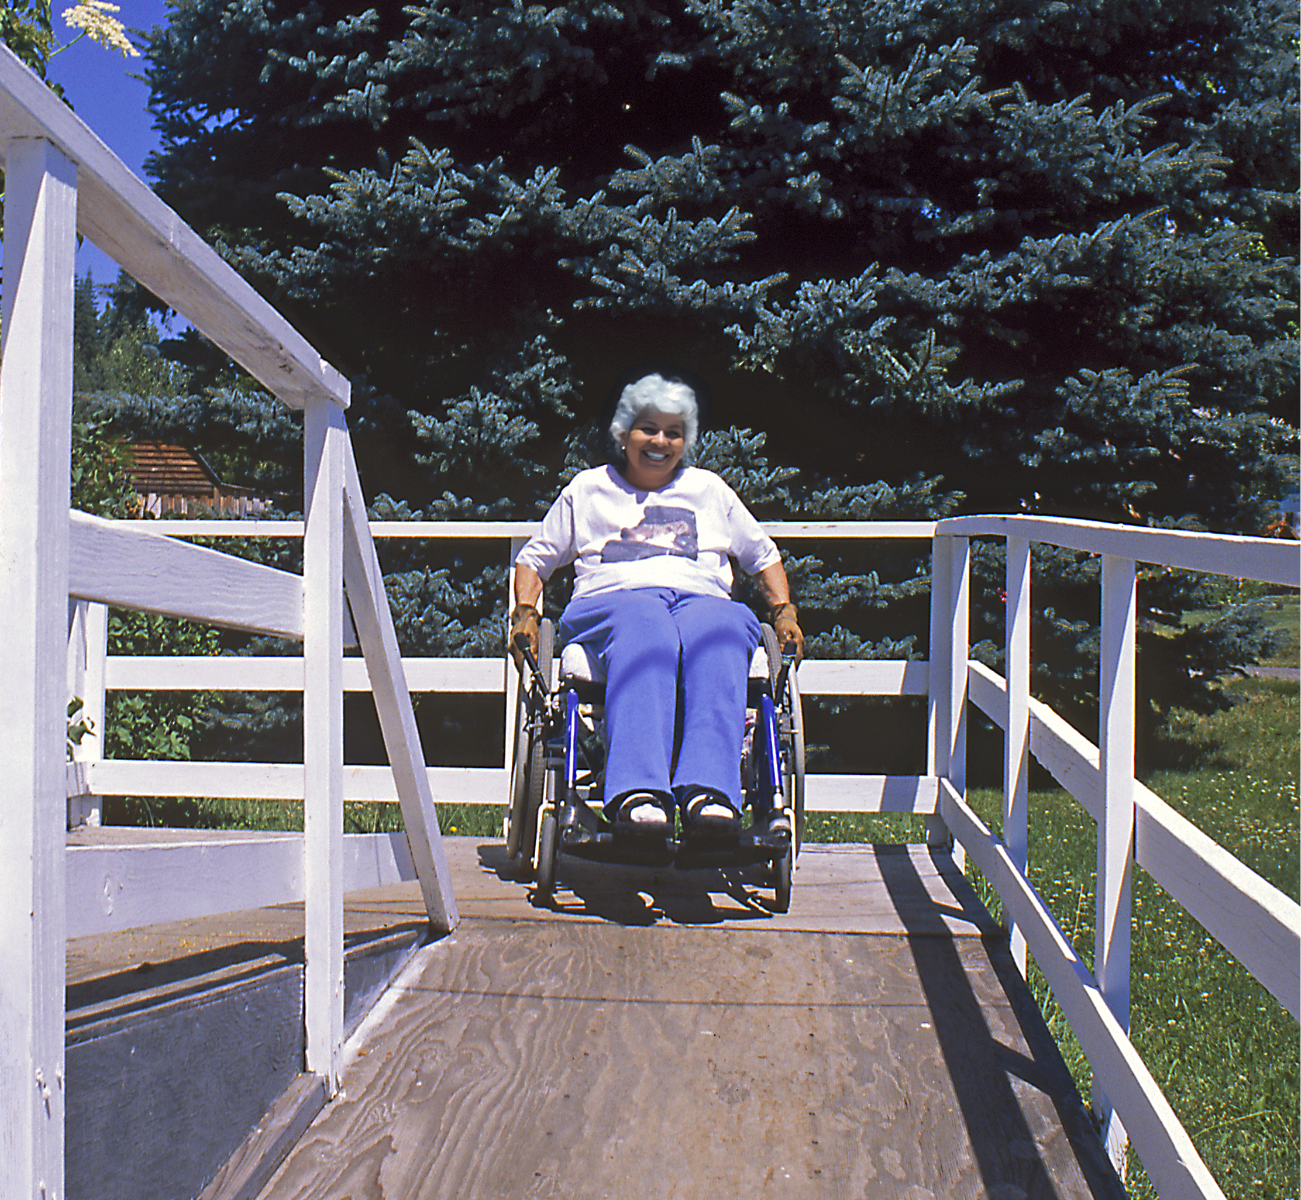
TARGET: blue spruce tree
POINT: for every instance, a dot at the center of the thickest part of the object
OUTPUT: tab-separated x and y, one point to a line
933	258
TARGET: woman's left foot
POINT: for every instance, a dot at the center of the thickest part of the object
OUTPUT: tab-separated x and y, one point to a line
707	815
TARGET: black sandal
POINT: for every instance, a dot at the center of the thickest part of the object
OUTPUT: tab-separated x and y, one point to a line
703	826
658	827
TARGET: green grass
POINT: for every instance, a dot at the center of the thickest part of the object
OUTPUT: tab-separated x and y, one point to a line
1285	615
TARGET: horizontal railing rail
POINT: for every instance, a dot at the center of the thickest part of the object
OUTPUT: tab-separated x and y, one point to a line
465	785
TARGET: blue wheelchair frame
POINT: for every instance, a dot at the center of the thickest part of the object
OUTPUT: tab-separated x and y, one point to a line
557	745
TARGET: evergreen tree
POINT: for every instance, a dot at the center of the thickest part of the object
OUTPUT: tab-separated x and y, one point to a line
994	257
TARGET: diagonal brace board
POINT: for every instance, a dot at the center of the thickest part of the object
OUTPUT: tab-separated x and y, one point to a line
397	718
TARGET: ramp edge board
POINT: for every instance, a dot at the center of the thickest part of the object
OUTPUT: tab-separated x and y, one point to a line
247	1171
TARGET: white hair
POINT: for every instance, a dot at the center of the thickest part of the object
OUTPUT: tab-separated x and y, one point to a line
671	397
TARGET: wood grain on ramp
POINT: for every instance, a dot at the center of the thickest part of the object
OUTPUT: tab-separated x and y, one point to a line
664	1035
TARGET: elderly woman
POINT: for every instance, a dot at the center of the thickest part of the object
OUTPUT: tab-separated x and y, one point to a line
651	537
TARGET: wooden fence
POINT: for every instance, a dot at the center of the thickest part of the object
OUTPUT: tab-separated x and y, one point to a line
1252	919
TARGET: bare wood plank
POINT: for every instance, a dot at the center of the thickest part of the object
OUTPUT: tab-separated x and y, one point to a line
35	415
883	1069
122	886
134	569
135	228
1248	916
871	793
393	702
146	672
1168	1154
1264	559
273	781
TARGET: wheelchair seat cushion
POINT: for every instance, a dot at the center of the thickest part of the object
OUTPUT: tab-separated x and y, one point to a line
579	665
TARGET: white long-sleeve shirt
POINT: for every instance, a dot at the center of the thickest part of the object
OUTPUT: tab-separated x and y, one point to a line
678	537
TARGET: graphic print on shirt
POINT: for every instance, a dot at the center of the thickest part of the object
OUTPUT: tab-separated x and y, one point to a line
661	530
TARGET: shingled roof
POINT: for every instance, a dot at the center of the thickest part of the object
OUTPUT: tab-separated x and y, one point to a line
170	478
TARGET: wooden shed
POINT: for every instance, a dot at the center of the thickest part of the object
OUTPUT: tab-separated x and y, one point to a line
172	480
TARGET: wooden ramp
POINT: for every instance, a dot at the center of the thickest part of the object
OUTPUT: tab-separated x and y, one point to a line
662	1034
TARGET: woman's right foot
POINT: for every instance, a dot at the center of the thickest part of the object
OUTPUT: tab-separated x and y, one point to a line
642	814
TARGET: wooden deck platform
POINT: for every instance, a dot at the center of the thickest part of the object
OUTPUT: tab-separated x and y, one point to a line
663	1034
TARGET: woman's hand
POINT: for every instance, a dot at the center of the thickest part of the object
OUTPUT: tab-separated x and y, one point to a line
525	617
784	619
782	614
525	621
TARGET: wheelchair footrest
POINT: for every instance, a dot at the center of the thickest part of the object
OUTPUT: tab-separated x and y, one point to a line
583	834
605	847
748	849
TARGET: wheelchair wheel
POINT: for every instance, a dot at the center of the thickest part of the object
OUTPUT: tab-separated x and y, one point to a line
795	797
548	848
527	765
791	717
781	871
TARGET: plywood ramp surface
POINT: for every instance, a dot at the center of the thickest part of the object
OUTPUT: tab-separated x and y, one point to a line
663	1035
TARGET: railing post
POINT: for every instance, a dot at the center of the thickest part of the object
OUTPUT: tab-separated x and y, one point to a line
323	473
1016	741
947	677
35	433
1116	829
87	652
512	676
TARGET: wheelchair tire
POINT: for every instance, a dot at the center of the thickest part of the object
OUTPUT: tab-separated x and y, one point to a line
782	870
527	769
792	741
548	848
518	800
796	798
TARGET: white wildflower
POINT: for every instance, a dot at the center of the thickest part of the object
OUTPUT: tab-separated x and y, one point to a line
95	19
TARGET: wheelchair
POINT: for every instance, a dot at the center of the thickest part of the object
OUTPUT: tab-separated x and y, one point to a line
557	772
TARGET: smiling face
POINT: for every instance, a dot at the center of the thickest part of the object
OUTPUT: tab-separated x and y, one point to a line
654	446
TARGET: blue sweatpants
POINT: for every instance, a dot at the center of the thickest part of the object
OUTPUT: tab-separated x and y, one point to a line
662	648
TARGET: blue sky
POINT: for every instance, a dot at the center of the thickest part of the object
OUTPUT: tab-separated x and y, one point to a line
99	84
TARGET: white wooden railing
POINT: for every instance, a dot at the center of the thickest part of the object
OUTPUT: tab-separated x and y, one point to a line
60	180
92	776
1253	920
